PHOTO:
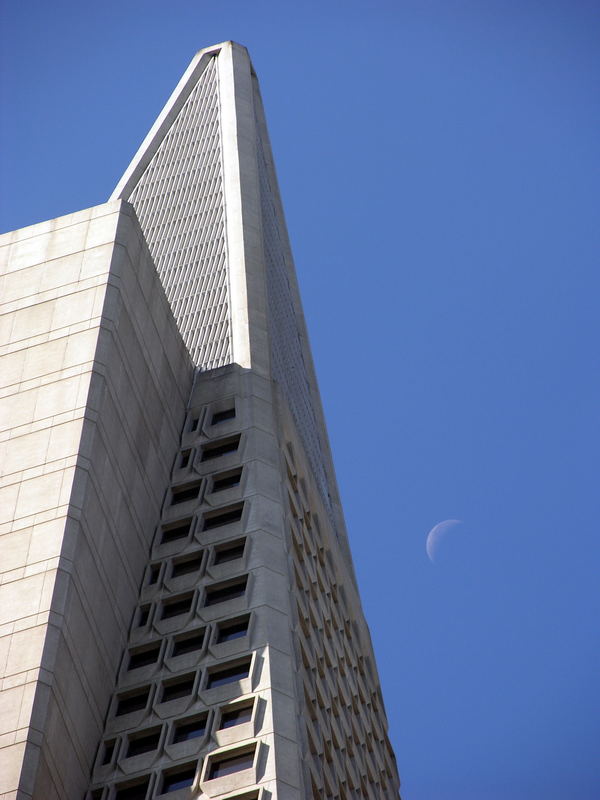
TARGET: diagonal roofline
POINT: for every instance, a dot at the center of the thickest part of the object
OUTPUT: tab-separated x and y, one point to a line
163	122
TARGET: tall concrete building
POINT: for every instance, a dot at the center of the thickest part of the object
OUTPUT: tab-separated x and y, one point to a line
179	616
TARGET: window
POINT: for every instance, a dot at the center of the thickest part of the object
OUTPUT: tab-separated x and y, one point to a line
220	448
183	566
143	742
179	778
188	642
194	423
222	517
229	763
109	750
222	416
153	573
135	701
144	657
180	530
184	458
137	791
236	715
226	480
220	593
142	616
232	629
181	604
220	676
181	494
188	728
182	687
230	551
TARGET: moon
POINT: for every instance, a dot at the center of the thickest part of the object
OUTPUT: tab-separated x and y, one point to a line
435	535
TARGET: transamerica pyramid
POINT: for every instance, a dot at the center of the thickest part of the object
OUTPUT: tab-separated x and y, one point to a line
179	608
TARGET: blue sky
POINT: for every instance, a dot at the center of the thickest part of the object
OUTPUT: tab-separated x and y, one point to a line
439	166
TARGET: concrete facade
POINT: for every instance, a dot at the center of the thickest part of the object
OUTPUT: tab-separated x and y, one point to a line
181	617
95	380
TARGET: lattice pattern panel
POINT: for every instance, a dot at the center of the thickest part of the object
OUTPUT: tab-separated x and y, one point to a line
287	359
179	202
347	754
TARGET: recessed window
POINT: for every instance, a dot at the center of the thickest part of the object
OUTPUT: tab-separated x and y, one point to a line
134	701
184	458
230	763
136	791
194	423
181	494
182	687
187	729
176	606
153	573
219	676
220	448
230	551
220	593
142	616
180	778
226	480
238	715
144	656
109	751
188	642
222	416
222	517
232	629
180	530
143	742
186	565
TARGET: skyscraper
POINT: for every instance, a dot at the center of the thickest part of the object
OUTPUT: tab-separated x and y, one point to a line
178	608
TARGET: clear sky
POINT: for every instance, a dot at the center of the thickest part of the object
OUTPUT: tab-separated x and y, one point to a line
439	165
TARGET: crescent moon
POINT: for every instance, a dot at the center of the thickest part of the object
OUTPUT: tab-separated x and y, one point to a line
435	534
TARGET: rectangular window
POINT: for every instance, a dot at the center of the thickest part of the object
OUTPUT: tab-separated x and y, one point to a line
135	701
180	530
181	494
142	616
153	573
220	593
182	687
143	742
136	791
220	448
184	566
180	778
230	763
222	517
176	606
194	423
187	729
109	750
184	458
144	656
236	715
230	551
228	674
222	416
232	629
226	480
188	642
